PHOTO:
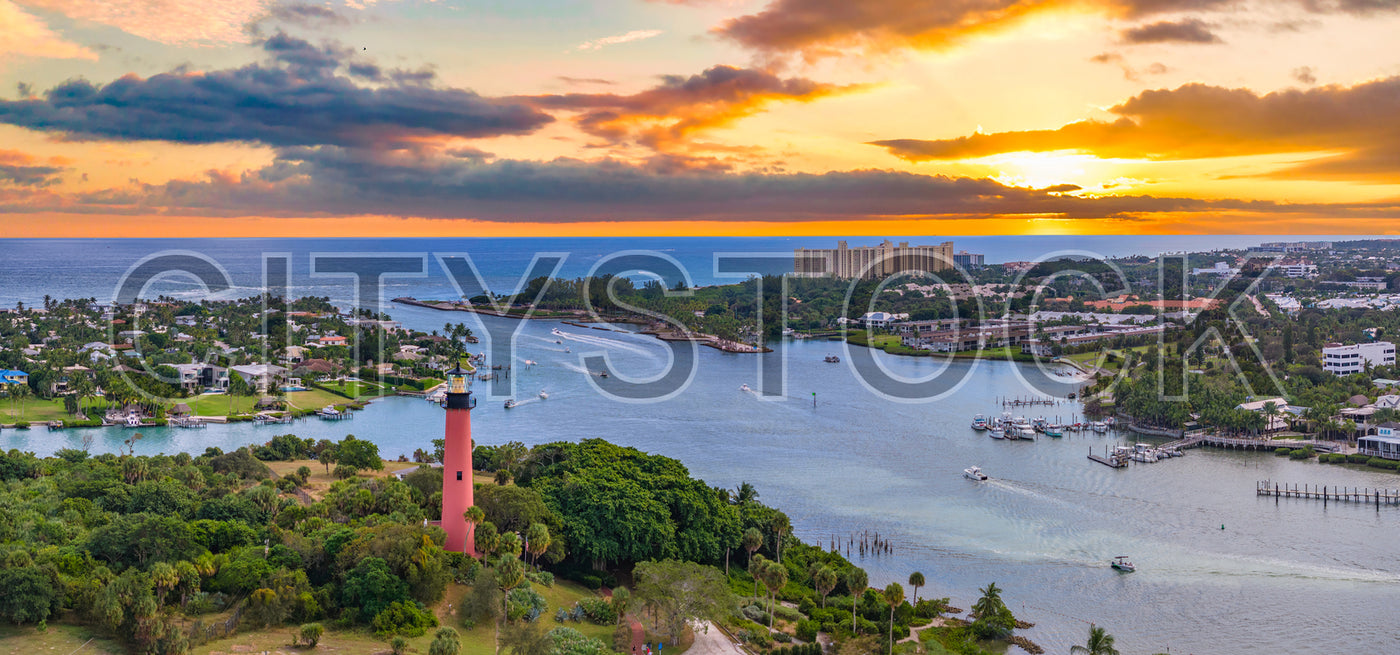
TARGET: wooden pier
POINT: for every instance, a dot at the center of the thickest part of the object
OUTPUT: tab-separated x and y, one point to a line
1194	439
1029	402
1108	459
1327	493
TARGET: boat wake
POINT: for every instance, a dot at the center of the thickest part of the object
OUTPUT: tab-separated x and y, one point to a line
605	342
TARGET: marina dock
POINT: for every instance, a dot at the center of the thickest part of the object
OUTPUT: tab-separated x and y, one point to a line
1108	458
1327	493
1194	439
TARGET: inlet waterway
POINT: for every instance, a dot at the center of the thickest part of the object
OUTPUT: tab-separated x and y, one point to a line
1220	570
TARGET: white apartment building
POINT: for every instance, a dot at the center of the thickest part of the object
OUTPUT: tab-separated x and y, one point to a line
1353	358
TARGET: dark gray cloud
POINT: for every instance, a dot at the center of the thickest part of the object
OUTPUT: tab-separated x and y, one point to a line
31	176
297	97
329	181
1305	74
1191	30
307	15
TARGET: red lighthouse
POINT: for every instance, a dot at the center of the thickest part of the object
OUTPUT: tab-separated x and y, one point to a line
457	464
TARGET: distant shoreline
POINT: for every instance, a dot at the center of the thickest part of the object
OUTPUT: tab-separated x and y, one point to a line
571	318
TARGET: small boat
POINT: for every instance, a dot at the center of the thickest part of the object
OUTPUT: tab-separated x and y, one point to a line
1121	563
566	349
602	374
531	362
544	396
1054	432
832	359
974	473
558	341
557	332
744	388
979	422
511	403
1026	433
1099	427
996	433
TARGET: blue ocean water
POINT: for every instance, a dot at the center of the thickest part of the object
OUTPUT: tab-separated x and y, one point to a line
80	268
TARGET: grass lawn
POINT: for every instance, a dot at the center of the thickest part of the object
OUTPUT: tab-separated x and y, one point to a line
59	639
32	409
314	399
278	641
220	404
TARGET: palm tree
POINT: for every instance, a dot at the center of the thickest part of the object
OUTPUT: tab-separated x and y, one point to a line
1271	411
823	581
537	539
1100	643
990	602
894	595
745	494
916	580
856	581
781	526
756	564
775	575
753	540
509	574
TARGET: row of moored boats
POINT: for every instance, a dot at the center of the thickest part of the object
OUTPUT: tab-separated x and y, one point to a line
1019	427
1145	453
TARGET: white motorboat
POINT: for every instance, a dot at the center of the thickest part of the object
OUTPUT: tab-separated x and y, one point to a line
557	332
1027	433
974	473
979	422
996	433
510	403
543	395
744	387
1099	427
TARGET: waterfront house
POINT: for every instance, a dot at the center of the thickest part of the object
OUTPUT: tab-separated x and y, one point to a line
331	340
1279	422
1389	401
261	376
10	376
295	354
1385	443
196	376
880	320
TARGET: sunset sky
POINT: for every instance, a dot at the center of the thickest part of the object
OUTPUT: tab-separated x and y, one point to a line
674	117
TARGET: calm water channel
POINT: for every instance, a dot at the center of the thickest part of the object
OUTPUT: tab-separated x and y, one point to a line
1281	577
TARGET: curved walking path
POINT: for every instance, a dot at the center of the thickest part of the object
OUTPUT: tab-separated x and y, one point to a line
710	640
914	632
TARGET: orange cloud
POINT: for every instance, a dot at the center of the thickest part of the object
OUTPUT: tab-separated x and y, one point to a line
665	117
1197	121
27	36
827	28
